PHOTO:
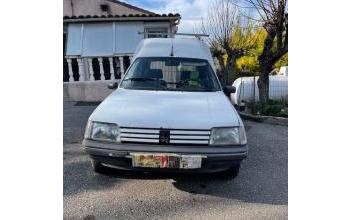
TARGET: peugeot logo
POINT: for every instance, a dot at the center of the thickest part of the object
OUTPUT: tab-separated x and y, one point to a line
164	136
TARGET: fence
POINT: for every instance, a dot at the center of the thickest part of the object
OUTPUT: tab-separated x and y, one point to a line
95	68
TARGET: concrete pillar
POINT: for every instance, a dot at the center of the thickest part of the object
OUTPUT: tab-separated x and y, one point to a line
111	62
101	68
122	69
80	69
70	72
91	72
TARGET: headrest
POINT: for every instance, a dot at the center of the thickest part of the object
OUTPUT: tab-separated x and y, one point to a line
154	73
185	74
202	72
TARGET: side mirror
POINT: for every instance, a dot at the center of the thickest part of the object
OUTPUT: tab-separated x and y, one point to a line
113	85
228	90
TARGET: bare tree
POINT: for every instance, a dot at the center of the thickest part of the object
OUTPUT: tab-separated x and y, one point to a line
229	33
274	16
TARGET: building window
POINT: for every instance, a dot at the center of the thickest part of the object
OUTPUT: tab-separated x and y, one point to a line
156	32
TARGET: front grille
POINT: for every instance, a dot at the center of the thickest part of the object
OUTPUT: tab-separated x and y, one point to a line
177	136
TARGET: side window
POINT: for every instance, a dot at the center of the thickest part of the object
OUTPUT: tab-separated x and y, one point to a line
156	32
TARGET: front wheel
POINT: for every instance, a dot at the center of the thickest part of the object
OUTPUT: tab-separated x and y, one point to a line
97	166
230	173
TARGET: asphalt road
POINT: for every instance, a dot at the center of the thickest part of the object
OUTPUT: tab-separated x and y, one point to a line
259	191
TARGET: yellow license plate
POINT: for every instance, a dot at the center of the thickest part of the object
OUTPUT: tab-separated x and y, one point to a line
155	160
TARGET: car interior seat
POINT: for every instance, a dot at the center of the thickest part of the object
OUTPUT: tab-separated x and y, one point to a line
154	73
185	75
203	78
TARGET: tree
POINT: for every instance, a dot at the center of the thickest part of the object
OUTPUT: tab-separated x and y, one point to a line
229	34
274	16
283	61
219	54
249	63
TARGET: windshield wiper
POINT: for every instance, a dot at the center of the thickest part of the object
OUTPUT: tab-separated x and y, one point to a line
142	79
145	79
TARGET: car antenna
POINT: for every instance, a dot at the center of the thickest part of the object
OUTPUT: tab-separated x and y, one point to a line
172	48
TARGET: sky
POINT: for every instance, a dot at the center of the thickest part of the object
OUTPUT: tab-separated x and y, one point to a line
192	11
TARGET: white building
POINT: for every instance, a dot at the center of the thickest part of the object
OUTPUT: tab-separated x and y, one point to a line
100	36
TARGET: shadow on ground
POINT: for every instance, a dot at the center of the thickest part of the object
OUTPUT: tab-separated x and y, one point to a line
245	187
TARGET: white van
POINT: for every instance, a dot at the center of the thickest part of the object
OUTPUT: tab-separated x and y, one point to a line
247	89
168	113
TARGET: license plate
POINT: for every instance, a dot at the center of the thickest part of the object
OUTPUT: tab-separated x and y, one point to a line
150	160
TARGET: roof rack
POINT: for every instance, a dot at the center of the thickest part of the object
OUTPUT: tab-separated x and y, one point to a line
182	34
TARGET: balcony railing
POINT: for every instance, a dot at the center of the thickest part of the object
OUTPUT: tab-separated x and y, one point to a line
98	68
95	68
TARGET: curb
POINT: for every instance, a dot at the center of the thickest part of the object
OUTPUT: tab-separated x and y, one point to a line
265	119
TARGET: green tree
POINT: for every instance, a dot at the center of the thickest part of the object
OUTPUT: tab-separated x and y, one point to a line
274	18
283	61
249	64
230	35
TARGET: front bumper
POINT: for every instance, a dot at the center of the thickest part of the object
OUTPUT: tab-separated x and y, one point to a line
215	158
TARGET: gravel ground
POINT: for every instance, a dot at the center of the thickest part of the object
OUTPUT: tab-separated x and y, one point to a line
259	191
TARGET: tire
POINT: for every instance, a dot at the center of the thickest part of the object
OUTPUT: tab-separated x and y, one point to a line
230	173
97	166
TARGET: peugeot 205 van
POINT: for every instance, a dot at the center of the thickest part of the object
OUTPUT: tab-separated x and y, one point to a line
168	113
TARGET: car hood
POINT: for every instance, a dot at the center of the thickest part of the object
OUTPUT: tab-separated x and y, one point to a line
167	109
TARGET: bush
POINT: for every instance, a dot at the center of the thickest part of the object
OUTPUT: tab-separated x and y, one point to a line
277	108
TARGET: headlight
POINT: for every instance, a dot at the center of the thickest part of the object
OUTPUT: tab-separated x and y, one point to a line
228	136
102	131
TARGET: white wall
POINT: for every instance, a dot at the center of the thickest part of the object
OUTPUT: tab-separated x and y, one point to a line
107	38
87	91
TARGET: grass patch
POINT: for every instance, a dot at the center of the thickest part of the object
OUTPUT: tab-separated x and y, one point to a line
278	108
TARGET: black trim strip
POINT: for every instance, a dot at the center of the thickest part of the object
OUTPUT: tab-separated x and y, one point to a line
182	139
171	139
171	129
190	134
137	133
122	132
171	144
141	138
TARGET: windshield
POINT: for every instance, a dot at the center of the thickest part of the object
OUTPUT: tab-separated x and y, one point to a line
170	73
